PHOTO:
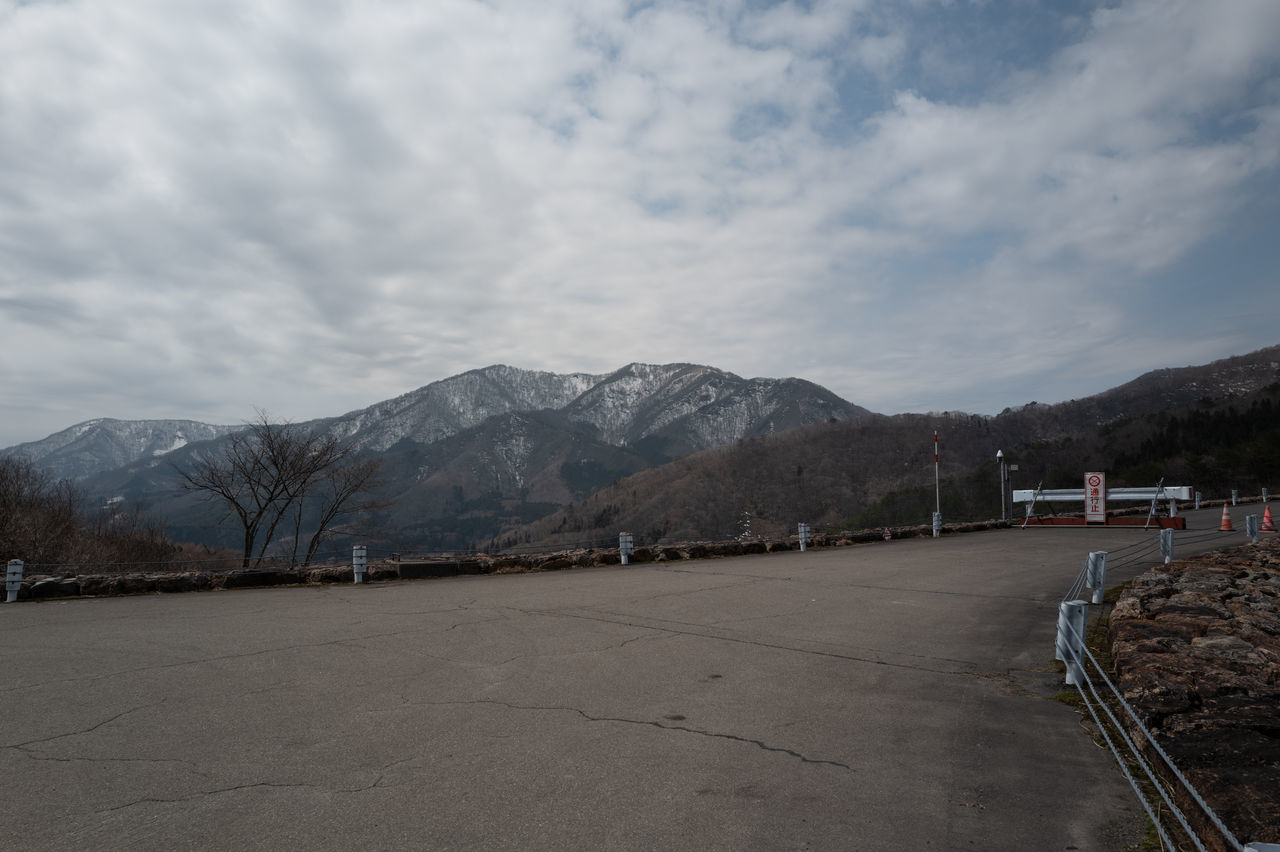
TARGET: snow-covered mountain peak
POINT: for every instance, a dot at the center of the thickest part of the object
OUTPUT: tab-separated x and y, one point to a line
684	407
105	444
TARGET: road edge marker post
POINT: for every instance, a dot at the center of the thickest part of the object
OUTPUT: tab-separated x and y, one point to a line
359	562
13	580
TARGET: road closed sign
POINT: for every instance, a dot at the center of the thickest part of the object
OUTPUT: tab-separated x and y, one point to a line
1095	498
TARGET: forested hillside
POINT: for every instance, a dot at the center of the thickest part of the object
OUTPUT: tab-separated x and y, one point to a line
879	471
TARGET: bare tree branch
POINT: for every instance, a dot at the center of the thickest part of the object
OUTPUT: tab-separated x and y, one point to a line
272	471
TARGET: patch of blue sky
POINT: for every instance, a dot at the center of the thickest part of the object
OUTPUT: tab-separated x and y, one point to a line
861	96
757	120
637	7
860	216
1226	284
944	258
964	53
564	128
1237	117
659	207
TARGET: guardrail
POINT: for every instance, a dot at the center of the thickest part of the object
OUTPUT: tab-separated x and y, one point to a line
1101	697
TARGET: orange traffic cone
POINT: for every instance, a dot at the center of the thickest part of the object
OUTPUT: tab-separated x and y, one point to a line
1268	525
1226	520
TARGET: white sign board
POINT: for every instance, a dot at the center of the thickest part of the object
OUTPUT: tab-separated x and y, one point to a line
1095	498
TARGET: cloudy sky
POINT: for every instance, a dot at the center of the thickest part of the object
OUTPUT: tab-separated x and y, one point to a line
310	206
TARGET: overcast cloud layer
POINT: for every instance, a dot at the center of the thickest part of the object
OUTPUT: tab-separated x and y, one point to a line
309	206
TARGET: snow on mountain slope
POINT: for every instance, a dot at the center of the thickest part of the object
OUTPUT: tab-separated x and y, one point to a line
678	408
451	405
699	407
106	444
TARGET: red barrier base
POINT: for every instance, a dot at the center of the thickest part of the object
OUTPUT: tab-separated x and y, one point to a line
1178	523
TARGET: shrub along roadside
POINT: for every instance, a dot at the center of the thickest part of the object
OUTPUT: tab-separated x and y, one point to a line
45	521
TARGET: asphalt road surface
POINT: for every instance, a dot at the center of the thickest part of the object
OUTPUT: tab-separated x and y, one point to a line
883	696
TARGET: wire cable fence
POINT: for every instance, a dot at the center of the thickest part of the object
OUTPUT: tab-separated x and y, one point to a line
1157	787
1105	701
1135	553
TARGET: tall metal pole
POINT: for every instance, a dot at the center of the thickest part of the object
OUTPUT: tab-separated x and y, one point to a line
937	488
1000	465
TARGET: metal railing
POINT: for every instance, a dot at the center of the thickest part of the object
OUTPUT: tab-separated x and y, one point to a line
1101	697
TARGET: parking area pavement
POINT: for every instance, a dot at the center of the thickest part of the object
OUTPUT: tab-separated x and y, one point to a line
887	695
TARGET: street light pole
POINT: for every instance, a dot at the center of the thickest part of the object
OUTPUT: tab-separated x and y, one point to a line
1000	465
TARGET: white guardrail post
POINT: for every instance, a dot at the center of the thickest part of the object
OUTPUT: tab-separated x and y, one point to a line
803	532
626	546
1166	545
1096	574
359	562
13	580
1069	646
1252	527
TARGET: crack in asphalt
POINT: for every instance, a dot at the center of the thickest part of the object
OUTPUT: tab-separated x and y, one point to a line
477	664
51	759
575	653
761	744
242	655
782	613
202	793
944	592
791	579
704	634
737	574
458	624
376	783
88	730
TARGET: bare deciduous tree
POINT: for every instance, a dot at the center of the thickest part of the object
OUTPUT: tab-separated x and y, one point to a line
334	497
44	521
39	516
271	473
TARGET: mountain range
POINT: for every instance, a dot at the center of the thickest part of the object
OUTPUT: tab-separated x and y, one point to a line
470	455
1213	427
106	444
500	449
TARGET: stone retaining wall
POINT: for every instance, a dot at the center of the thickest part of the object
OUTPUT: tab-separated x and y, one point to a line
37	586
1196	648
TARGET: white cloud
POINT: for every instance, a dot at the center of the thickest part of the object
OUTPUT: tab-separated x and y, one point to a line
310	207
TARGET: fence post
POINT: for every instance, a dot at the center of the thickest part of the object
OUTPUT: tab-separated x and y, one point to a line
803	531
1252	527
1166	545
1069	646
626	546
1096	574
359	562
13	580
1197	499
1235	495
1265	495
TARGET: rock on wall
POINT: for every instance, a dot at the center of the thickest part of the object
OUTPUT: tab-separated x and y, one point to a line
1196	646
